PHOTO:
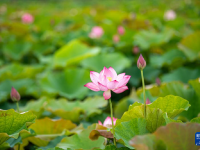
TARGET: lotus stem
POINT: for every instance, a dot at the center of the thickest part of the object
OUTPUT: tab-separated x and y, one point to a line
111	113
17	107
143	86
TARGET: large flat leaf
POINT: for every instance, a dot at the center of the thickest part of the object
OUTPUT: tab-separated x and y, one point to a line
37	107
117	60
174	136
82	141
178	136
16	49
190	46
47	129
172	105
147	142
181	74
12	123
146	39
68	83
73	53
73	110
196	86
17	71
173	58
195	120
127	130
177	88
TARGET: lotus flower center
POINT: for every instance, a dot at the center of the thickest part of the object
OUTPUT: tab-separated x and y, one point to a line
109	78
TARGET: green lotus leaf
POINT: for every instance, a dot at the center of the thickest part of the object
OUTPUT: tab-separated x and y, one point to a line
173	58
195	120
171	133
113	147
47	129
147	142
177	88
145	39
17	71
127	130
16	49
116	60
134	104
169	120
82	141
181	74
196	86
37	107
13	123
73	53
172	105
168	138
190	46
68	83
72	110
55	148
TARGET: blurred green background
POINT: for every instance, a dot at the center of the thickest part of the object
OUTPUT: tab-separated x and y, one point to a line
49	58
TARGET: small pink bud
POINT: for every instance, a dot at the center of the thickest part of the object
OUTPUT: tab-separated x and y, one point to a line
121	30
116	38
27	18
136	50
141	63
158	82
148	101
15	96
170	15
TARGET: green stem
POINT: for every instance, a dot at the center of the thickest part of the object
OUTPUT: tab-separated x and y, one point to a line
111	111
143	86
18	112
17	107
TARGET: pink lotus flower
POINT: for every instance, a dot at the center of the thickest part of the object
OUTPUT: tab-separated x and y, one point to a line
27	18
141	63
116	38
170	15
14	95
96	32
148	101
108	122
121	30
108	80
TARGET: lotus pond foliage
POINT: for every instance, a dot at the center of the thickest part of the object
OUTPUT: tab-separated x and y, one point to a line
99	75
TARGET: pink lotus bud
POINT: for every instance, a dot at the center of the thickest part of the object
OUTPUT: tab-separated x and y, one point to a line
141	63
136	50
170	15
116	38
15	96
148	101
96	32
121	30
27	18
158	82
